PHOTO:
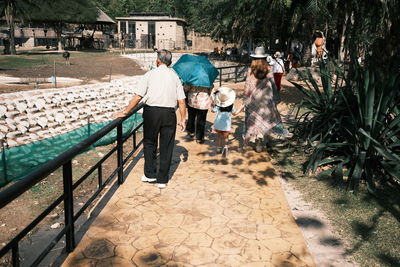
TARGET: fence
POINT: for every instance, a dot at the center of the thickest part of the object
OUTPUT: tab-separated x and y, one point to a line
16	162
145	42
130	43
236	73
65	161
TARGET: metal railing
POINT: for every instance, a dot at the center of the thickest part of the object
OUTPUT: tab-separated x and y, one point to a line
235	73
65	161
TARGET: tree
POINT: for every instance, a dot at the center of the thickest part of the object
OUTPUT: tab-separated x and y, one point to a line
242	21
11	9
59	13
353	27
55	13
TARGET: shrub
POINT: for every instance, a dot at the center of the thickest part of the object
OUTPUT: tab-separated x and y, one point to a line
352	126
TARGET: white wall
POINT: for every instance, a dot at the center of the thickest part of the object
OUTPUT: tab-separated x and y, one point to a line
180	37
141	28
165	34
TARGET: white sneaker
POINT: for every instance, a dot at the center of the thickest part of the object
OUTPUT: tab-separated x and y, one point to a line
225	152
161	186
148	180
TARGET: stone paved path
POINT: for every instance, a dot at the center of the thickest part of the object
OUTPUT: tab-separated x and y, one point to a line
214	212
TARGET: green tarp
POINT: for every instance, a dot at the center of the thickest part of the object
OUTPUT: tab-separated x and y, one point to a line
17	162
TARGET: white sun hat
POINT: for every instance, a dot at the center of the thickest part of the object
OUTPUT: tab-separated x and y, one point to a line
223	97
259	52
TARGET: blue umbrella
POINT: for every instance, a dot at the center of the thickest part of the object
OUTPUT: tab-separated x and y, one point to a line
196	70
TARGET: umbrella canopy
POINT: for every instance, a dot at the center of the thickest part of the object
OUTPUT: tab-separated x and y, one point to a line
196	70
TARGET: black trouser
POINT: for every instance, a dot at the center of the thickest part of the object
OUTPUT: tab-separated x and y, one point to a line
158	120
196	122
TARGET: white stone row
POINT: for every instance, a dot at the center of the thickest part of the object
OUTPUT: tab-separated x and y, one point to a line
35	115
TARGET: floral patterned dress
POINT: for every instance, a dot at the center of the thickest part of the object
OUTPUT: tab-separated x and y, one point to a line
199	100
260	105
198	97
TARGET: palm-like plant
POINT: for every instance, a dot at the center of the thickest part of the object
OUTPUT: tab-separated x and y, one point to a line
356	126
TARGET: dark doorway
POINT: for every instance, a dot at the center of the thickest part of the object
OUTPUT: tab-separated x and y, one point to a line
152	34
132	34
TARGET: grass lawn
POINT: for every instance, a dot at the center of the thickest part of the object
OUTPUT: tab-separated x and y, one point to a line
20	61
370	225
33	58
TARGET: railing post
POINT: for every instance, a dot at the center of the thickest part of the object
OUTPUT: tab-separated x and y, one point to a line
100	175
120	159
3	158
134	140
15	256
68	207
88	124
235	74
220	77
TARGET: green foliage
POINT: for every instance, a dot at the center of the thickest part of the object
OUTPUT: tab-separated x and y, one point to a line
22	61
64	11
240	21
355	128
180	8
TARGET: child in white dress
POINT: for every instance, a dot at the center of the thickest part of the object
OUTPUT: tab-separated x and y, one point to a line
223	98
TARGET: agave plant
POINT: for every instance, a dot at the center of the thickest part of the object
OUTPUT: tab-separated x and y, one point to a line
356	126
322	107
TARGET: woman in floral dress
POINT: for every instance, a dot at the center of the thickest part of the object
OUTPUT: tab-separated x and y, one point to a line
260	98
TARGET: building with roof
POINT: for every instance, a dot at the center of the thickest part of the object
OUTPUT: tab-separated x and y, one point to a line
153	30
38	33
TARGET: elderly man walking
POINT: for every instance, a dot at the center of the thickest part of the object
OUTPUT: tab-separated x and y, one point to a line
161	90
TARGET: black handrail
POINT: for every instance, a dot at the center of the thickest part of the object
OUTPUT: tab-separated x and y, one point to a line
64	160
233	66
236	67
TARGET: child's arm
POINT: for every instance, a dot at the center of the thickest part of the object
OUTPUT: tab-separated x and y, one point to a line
239	110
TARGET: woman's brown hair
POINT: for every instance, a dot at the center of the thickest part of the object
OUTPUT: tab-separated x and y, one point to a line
259	68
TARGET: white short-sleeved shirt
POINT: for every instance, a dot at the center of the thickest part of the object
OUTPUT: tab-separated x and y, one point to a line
160	87
277	65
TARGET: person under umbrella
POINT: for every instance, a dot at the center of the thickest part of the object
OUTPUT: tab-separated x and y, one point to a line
198	75
198	104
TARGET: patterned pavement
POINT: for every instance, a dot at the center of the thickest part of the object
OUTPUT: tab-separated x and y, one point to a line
214	212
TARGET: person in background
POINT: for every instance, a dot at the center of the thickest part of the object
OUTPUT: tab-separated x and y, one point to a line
198	102
161	90
277	68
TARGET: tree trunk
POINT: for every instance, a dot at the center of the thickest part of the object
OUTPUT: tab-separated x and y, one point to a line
341	28
59	44
58	30
10	12
250	45
341	50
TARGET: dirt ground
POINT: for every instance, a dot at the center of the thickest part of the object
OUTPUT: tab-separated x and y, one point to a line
90	67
